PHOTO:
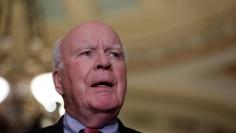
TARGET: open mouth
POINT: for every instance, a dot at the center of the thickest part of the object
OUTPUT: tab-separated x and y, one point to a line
102	83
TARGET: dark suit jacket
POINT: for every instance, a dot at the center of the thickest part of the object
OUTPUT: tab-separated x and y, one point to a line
58	128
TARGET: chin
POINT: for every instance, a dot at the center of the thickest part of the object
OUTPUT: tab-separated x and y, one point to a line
107	106
109	111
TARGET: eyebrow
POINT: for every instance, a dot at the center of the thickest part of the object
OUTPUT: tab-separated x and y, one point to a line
90	46
115	46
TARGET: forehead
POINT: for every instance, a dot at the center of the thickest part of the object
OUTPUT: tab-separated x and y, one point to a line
93	34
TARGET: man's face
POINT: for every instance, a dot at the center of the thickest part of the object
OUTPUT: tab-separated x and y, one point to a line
93	76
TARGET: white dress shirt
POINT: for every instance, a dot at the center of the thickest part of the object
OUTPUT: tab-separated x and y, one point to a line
71	125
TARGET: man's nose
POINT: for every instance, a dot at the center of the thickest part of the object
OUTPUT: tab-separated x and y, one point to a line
103	62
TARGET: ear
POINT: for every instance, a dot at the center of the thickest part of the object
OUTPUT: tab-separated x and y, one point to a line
57	79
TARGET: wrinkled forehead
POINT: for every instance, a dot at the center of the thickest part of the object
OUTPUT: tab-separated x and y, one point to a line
92	33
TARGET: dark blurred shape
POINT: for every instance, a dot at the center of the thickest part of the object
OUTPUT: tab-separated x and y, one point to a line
4	125
36	123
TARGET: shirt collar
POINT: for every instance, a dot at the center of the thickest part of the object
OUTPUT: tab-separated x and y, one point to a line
71	125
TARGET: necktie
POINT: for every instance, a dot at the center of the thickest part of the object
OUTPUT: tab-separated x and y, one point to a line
90	130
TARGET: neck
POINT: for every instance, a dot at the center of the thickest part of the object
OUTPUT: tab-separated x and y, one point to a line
95	119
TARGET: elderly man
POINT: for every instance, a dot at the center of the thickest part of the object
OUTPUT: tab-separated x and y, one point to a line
90	74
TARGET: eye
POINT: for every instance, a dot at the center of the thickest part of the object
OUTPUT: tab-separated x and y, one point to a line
86	53
115	54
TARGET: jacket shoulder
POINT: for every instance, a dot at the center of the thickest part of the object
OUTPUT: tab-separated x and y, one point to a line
129	130
124	129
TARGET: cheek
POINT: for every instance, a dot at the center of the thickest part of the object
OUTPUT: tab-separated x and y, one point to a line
120	72
78	73
80	69
82	72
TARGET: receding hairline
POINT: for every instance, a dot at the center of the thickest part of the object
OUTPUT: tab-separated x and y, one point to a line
86	26
89	25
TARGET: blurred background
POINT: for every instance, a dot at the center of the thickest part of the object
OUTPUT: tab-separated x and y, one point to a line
181	61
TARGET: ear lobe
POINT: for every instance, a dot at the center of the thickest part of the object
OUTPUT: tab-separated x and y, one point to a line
57	79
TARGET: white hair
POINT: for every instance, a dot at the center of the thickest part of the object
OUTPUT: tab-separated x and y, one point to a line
125	53
57	62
